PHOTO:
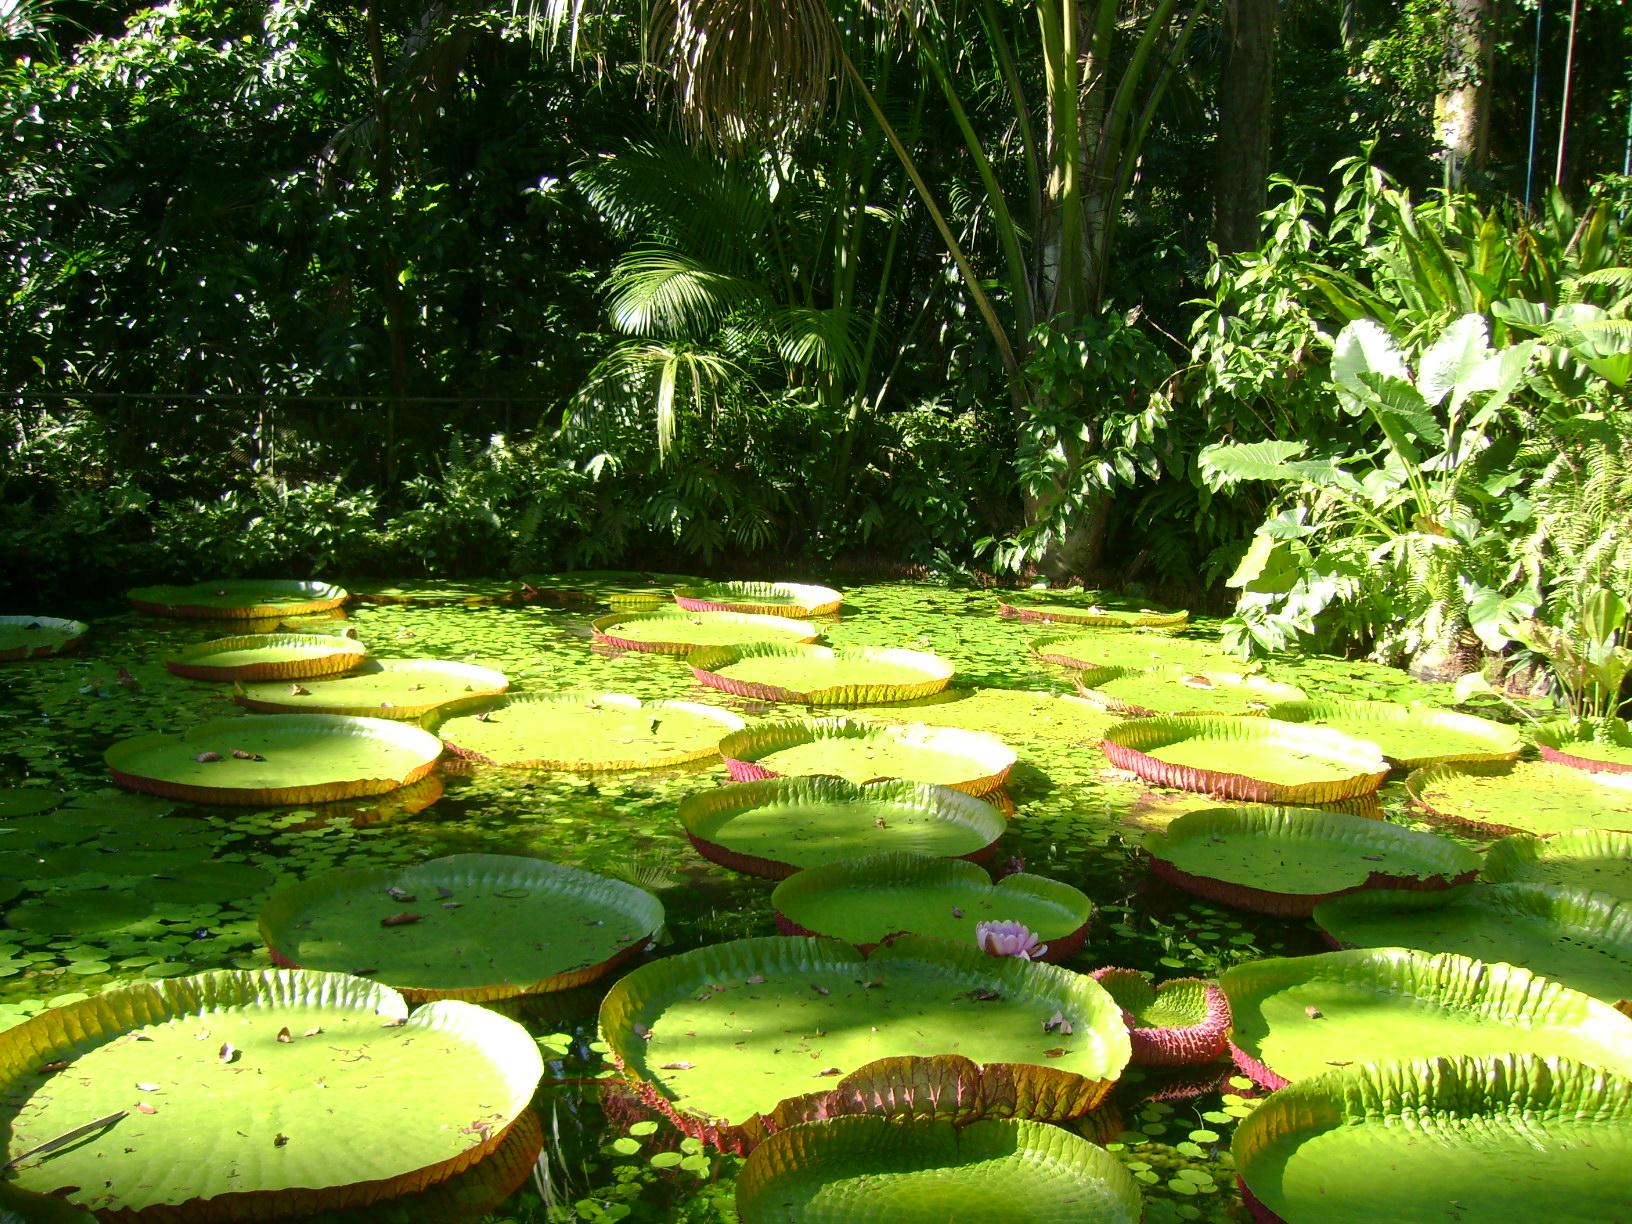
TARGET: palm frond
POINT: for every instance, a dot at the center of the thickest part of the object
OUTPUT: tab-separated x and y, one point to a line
828	341
665	374
656	290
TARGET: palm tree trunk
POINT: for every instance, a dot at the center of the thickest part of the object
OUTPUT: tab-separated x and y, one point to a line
1244	113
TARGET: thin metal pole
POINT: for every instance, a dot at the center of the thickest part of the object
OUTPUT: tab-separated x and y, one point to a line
1564	105
1535	94
1626	158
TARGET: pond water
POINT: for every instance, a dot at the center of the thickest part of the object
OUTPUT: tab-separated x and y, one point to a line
105	894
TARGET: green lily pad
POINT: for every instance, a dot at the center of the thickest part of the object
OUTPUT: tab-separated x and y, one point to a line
1261	760
1602	746
718	1037
1523	797
1498	1137
1593	859
1139	649
435	592
1578	938
1410	736
864	900
860	1169
78	913
819	675
969	761
33	637
229	1089
238	598
1142	693
222	883
381	688
20	801
764	598
1177	1023
1300	1016
627	590
776	826
286	758
1083	609
489	926
1015	713
674	631
274	656
589	731
1287	860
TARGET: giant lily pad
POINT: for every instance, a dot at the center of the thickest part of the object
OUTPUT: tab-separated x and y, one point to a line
818	675
33	637
969	761
238	598
1080	609
381	688
1410	736
1020	713
1523	797
1142	693
1578	938
1177	1023
1603	746
1287	860
764	598
289	758
776	826
1300	1016
435	592
674	631
1583	858
469	926
275	656
1262	760
719	1036
625	590
859	1169
864	900
589	731
1499	1137
226	1092
1129	648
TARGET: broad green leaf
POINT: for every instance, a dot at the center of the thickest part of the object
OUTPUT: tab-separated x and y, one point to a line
1452	368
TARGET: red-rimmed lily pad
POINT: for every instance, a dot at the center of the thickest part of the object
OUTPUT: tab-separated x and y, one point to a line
381	688
1146	692
268	656
1176	1023
1578	938
1410	736
820	675
776	826
468	926
1594	859
1498	1137
720	1036
1523	796
435	592
220	1097
865	900
855	1170
1300	1016
285	758
970	761
1136	648
1065	607
589	731
1285	861
1261	760
676	631
1601	746
765	598
34	637
239	598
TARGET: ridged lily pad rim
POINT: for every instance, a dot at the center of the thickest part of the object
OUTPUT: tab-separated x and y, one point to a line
71	1031
1508	859
766	598
725	722
896	872
1174	1045
1128	745
459	874
860	1145
1018	608
1048	647
260	598
935	672
755	628
707	815
1256	691
1064	1089
1481	992
1440	862
1420	781
329	696
434	592
1554	741
1399	1099
59	634
990	759
308	655
422	749
1504	742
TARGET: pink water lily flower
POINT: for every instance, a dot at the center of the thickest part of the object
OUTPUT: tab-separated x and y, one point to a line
1009	939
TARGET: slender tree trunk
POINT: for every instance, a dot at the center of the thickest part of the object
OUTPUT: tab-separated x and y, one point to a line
1462	109
1244	114
385	187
